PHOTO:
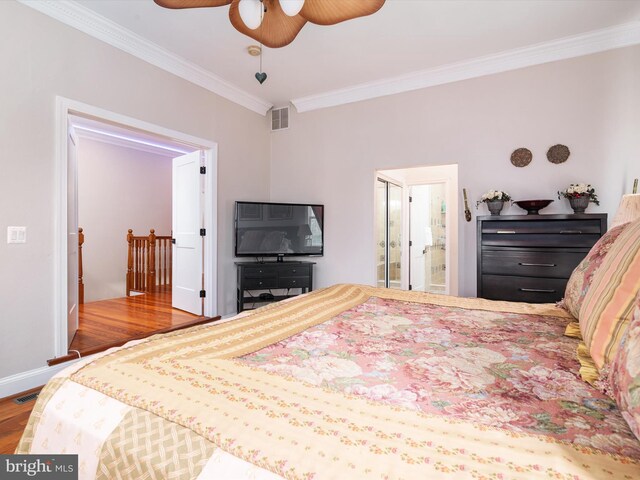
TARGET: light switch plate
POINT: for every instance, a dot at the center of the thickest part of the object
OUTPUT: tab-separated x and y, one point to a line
16	234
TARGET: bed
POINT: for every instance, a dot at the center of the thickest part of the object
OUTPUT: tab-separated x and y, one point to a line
349	381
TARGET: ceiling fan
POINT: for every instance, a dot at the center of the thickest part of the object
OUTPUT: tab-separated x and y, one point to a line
275	23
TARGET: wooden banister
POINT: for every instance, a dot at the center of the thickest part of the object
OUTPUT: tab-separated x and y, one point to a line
148	262
80	272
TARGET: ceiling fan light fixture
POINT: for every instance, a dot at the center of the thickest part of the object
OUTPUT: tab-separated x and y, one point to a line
276	23
291	7
251	13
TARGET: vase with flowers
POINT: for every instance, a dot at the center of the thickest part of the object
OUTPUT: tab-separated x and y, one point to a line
579	196
495	200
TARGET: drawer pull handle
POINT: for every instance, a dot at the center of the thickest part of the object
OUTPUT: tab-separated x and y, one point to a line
505	231
571	232
536	290
537	264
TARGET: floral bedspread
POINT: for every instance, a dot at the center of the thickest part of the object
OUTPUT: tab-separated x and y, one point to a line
505	370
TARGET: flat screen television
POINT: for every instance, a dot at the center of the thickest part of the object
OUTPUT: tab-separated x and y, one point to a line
279	230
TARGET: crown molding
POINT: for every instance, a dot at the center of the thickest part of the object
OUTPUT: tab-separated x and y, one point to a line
568	47
87	21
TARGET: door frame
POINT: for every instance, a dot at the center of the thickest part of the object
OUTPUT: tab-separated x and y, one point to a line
66	107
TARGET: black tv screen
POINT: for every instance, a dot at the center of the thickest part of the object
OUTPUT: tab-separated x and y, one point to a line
278	229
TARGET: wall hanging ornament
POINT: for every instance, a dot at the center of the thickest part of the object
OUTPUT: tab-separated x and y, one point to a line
521	157
558	154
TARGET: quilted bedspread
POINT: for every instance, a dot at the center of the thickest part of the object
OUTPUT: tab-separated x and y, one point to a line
347	382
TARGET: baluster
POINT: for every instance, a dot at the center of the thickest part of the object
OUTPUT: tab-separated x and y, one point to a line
162	261
141	265
137	267
151	261
80	272
167	261
129	277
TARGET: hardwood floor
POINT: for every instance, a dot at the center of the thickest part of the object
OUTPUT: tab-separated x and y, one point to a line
102	324
13	420
120	319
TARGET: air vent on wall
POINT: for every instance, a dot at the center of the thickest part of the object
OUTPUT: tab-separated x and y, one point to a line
279	118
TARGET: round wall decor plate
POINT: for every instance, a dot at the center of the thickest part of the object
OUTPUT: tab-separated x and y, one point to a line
521	157
558	154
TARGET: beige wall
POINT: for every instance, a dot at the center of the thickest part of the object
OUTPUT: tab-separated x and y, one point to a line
118	188
591	104
43	58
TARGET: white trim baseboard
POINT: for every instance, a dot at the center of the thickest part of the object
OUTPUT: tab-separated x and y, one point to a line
84	19
569	47
20	382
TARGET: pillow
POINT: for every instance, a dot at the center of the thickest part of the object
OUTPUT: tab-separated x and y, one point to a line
573	330
609	301
624	373
582	275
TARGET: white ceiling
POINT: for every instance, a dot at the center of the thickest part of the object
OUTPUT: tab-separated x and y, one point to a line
404	37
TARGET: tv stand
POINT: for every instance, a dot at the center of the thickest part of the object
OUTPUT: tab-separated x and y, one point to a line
254	277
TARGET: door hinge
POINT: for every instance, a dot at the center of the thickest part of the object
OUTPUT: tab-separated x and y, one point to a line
410	287
173	240
410	199
203	170
410	243
203	232
203	293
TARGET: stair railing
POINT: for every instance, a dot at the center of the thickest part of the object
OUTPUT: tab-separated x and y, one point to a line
148	262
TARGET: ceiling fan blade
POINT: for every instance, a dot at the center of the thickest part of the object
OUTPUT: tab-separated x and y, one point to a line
191	3
330	12
277	29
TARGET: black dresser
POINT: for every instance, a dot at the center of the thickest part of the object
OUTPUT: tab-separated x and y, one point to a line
256	280
529	258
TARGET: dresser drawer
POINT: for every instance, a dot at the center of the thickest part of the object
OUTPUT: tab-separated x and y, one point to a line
294	282
551	240
294	270
259	283
530	263
559	227
523	289
258	272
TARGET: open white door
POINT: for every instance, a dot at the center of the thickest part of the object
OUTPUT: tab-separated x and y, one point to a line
419	232
72	235
187	220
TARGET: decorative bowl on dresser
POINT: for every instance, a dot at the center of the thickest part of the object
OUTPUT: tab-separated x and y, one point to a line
533	207
529	258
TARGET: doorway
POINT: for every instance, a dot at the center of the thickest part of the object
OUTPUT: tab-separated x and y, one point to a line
66	285
424	201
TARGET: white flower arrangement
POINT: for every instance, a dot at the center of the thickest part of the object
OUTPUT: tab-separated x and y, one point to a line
492	195
580	190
